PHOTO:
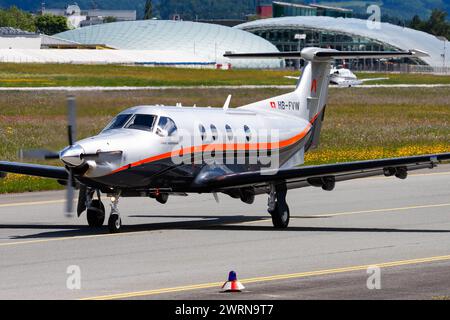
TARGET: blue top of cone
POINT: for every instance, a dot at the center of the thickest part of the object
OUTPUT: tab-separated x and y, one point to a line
232	276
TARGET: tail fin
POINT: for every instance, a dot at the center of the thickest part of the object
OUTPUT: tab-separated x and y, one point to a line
310	97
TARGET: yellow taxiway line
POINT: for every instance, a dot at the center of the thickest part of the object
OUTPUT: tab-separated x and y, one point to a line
36	203
271	278
7	244
382	210
329	215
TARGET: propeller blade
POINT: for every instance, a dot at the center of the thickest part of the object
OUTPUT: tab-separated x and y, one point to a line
38	154
70	195
71	119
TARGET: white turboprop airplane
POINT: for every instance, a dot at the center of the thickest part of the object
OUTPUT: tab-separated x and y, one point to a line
157	151
344	77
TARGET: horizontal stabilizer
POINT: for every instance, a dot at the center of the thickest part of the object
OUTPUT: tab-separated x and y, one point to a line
268	55
319	54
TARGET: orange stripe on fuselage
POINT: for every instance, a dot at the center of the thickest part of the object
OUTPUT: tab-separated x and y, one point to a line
223	147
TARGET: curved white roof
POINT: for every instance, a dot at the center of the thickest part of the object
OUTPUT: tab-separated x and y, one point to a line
207	41
396	36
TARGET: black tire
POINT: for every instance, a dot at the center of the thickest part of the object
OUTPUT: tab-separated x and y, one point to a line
280	216
96	214
162	198
114	223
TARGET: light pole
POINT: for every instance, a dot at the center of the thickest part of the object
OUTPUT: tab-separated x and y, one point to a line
444	55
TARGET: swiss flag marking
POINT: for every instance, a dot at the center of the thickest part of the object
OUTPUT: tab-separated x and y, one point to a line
273	105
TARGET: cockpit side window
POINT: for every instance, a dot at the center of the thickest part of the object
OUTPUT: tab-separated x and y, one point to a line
166	127
118	122
144	122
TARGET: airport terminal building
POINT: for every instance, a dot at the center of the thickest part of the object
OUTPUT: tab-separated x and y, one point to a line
349	34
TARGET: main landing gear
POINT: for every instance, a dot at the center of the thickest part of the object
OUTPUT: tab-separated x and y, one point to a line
96	212
278	208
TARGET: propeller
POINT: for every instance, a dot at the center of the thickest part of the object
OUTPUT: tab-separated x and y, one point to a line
71	134
38	154
44	154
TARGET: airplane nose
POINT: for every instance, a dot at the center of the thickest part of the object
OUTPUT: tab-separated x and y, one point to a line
71	156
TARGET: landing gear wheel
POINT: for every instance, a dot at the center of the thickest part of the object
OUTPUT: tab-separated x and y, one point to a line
280	216
162	198
114	223
96	214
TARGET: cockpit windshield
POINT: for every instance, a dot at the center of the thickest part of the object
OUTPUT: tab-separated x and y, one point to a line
144	122
118	122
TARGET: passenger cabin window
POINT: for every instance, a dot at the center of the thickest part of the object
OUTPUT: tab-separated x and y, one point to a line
144	122
214	132
230	134
166	127
248	133
118	122
202	130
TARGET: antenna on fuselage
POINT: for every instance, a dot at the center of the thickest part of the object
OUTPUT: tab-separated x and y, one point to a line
227	103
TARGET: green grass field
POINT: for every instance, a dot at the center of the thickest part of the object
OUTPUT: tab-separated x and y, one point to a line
360	123
44	75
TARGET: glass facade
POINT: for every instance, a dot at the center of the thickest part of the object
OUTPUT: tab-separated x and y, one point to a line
283	37
283	9
348	34
286	10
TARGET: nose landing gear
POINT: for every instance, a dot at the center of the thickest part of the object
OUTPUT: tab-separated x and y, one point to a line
95	210
114	221
278	208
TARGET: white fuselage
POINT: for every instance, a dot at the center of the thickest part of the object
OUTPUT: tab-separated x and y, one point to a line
344	78
221	127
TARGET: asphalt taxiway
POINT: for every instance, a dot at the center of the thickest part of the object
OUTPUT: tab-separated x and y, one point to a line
185	249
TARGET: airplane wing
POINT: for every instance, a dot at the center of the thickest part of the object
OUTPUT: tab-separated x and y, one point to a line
36	170
324	176
373	79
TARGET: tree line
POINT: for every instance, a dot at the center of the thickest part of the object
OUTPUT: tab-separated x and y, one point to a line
436	25
47	24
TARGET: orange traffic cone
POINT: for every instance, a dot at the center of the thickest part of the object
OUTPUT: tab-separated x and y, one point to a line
233	284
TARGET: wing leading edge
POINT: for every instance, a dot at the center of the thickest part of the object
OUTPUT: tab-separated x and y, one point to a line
36	170
324	175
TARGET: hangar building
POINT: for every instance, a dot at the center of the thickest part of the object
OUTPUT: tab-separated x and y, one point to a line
184	40
11	38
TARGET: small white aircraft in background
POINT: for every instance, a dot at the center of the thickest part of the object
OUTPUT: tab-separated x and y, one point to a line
344	77
147	151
